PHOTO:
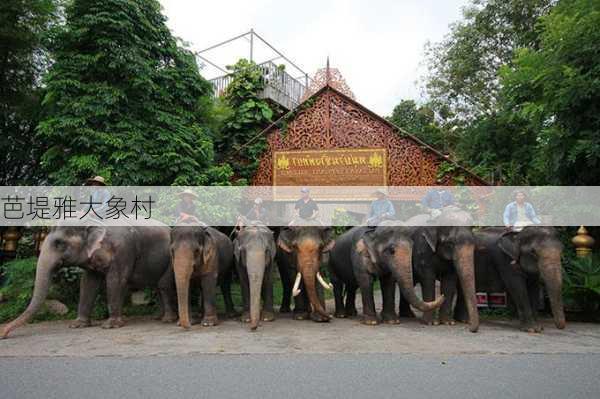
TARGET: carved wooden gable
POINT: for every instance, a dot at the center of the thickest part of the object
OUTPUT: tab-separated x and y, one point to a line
330	120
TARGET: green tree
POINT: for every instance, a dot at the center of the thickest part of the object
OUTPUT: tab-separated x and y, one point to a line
24	26
557	88
421	122
125	100
463	67
240	140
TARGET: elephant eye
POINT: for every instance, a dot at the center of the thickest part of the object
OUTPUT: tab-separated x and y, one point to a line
59	243
390	250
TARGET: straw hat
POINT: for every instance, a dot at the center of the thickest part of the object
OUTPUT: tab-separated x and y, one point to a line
96	179
188	192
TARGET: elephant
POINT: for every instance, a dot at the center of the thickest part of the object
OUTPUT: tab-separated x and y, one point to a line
444	250
126	257
515	263
203	256
385	252
306	246
254	251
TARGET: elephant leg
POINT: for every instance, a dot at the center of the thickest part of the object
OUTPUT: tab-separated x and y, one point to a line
460	309
116	289
388	292
365	281
350	308
517	288
301	305
167	297
226	291
268	313
209	296
88	291
286	285
428	292
533	292
448	287
338	295
245	288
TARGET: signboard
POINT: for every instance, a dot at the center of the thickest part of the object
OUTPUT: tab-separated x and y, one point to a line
339	167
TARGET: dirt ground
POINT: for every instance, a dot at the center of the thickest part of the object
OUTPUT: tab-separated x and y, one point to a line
146	337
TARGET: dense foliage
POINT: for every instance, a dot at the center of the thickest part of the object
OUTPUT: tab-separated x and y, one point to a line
24	33
240	141
124	100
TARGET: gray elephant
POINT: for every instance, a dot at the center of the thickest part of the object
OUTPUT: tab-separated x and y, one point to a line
444	251
306	246
254	250
126	257
203	256
517	263
383	252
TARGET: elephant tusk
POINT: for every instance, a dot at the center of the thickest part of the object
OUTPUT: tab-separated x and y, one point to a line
296	289
325	284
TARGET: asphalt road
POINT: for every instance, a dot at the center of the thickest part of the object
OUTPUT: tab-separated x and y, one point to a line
304	376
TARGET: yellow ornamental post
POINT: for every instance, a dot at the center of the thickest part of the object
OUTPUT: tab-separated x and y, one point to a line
583	242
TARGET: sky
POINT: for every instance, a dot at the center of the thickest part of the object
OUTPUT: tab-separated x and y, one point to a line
377	45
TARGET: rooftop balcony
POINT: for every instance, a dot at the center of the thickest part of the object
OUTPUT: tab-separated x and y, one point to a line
280	87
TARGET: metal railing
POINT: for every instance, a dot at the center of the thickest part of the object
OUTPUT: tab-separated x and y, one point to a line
280	86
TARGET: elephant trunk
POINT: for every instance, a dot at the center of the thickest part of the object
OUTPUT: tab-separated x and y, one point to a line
309	267
464	264
256	264
402	272
46	264
549	265
182	266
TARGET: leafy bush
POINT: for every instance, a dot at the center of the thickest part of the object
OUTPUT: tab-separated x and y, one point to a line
581	283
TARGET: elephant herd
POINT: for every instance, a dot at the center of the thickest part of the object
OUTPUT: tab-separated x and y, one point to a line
172	260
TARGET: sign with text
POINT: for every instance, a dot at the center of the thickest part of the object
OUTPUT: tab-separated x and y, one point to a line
348	167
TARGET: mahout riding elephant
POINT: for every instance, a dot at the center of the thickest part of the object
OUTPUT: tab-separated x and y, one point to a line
383	252
306	246
254	250
202	256
515	263
124	257
444	251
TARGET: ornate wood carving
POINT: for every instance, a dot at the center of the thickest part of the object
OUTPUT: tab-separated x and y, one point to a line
330	119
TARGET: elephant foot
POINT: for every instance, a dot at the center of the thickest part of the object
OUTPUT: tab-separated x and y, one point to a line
79	323
301	315
447	322
245	318
169	318
370	320
319	318
351	312
429	322
268	315
390	318
532	328
186	326
210	321
113	322
339	314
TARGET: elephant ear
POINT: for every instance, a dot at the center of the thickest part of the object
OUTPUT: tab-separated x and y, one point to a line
365	247
236	250
285	239
95	235
328	239
272	248
431	237
209	250
509	244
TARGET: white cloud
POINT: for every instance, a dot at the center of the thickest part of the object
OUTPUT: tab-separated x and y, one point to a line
377	45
